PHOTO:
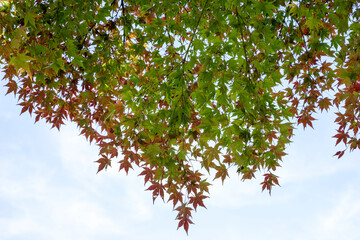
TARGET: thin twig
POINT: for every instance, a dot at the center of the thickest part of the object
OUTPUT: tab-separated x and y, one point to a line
123	16
243	41
194	31
168	32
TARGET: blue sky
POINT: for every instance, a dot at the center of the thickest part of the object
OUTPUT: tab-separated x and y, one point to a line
49	189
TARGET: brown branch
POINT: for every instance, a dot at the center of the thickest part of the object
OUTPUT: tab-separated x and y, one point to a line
123	16
194	31
243	40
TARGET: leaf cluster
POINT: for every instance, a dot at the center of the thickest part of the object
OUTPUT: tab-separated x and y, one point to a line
176	88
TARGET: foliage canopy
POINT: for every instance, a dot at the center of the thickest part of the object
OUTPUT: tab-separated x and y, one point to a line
174	87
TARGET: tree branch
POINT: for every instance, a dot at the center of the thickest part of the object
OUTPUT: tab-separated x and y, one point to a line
243	41
194	31
123	15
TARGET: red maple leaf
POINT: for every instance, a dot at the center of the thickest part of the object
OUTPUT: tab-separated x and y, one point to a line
184	216
126	165
197	200
104	162
270	180
157	189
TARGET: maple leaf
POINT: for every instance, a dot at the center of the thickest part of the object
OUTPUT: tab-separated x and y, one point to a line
325	67
176	197
341	136
339	154
269	181
204	186
148	174
305	120
197	200
324	103
221	173
271	136
210	154
126	165
157	189
227	159
184	216
356	87
104	162
12	87
247	173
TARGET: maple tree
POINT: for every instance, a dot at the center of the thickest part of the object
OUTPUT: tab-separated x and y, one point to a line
175	87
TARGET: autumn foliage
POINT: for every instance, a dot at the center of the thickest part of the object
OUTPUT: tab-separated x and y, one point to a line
179	89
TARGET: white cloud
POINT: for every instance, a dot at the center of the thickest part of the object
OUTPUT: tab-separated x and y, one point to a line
310	155
63	198
343	220
82	219
78	157
40	206
76	154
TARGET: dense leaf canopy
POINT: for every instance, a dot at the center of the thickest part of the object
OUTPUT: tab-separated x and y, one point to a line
175	87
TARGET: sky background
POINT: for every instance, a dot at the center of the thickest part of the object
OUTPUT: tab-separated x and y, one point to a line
49	189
